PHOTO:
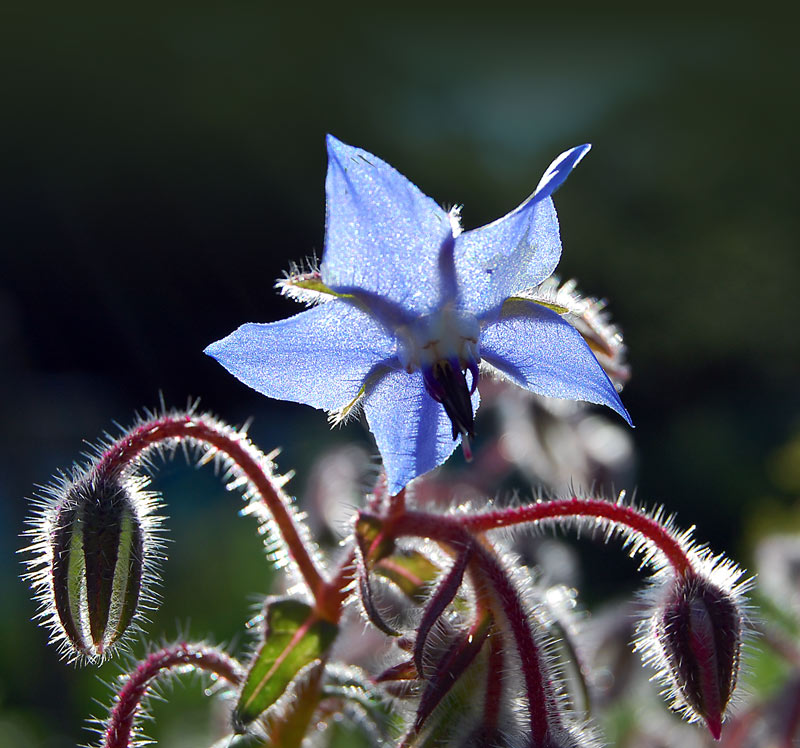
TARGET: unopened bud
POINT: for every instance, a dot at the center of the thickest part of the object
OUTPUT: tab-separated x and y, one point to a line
93	544
699	629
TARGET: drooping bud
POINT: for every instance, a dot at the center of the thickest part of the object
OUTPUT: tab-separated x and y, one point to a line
94	545
699	632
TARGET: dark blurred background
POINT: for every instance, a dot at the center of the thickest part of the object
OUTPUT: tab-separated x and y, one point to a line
161	165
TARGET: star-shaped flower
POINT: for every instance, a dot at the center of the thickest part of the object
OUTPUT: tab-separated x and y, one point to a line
413	306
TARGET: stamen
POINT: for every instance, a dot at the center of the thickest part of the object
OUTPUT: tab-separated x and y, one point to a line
446	383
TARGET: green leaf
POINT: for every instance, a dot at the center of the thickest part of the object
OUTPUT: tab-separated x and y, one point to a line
312	283
367	713
308	288
411	571
295	637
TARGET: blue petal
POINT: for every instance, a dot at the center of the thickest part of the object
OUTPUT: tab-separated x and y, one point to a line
382	234
517	251
320	357
559	170
412	430
542	352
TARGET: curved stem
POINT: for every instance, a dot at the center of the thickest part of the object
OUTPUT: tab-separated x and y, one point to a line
121	721
632	519
247	460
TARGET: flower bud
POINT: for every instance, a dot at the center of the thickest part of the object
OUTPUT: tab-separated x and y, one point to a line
699	630
94	545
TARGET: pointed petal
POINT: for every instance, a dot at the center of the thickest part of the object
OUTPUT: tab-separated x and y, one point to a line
413	432
382	235
559	170
543	353
517	251
320	357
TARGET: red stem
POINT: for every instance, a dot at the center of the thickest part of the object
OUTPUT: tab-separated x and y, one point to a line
129	699
247	458
558	509
332	595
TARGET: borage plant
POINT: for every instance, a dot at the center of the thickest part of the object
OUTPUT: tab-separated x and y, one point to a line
408	311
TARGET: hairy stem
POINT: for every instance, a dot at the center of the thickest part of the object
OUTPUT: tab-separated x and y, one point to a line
128	702
124	454
632	519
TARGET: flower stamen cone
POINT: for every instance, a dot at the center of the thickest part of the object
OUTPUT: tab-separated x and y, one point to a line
446	383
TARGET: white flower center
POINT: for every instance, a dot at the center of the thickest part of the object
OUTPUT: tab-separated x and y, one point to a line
445	335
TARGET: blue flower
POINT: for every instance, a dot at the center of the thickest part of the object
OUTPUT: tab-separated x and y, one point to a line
412	306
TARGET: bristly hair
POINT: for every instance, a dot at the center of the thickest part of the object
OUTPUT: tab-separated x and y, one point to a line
160	668
354	408
303	283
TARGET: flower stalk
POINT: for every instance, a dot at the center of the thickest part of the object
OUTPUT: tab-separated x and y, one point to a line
127	705
651	529
245	459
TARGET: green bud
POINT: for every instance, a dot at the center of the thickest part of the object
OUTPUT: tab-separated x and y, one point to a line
98	560
94	544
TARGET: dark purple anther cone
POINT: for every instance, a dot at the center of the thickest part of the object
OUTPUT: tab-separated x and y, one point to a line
446	382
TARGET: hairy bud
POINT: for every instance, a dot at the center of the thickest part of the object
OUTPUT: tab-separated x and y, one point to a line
698	629
93	544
